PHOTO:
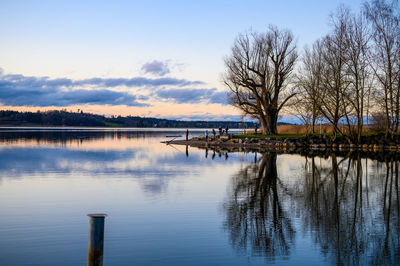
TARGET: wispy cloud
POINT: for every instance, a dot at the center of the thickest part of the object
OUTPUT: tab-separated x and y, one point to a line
192	95
220	97
156	68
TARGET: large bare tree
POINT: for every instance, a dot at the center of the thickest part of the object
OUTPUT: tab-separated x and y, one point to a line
257	74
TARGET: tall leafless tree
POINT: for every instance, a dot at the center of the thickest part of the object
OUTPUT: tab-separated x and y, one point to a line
384	19
257	74
334	104
358	72
308	83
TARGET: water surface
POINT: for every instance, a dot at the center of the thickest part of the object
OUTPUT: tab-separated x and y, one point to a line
172	205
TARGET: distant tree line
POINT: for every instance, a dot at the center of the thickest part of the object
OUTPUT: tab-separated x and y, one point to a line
345	77
65	118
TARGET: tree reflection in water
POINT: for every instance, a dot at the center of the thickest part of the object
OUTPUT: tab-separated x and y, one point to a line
350	207
255	216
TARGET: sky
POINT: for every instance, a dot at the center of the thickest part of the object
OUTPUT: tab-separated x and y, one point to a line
148	58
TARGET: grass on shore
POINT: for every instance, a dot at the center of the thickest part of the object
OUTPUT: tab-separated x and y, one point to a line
297	135
261	136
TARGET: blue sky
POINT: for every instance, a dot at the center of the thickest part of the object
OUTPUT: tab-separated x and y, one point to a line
183	40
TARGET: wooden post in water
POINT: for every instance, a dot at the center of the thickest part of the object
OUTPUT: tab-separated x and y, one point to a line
96	239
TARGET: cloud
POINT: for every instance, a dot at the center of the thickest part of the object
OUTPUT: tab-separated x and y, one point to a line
102	82
156	68
135	82
39	92
192	95
219	97
20	90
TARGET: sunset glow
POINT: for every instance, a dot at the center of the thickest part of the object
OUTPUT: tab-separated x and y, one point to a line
154	58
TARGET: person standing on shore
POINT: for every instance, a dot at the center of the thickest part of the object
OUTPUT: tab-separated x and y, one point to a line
206	135
214	133
226	129
187	134
220	131
255	128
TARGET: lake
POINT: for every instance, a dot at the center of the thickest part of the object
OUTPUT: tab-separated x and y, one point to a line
177	205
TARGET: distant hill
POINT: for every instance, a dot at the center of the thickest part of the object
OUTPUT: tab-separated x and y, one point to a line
65	118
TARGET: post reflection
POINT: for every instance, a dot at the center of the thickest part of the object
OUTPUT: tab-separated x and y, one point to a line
349	206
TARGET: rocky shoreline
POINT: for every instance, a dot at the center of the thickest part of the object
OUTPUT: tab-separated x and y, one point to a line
370	144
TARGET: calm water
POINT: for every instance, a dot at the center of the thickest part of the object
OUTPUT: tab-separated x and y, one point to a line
172	206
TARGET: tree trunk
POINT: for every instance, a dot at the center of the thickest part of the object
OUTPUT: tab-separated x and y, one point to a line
272	120
263	124
313	123
269	124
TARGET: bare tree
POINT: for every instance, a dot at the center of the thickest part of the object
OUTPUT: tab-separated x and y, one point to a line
384	20
301	106
334	105
357	70
257	74
308	83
